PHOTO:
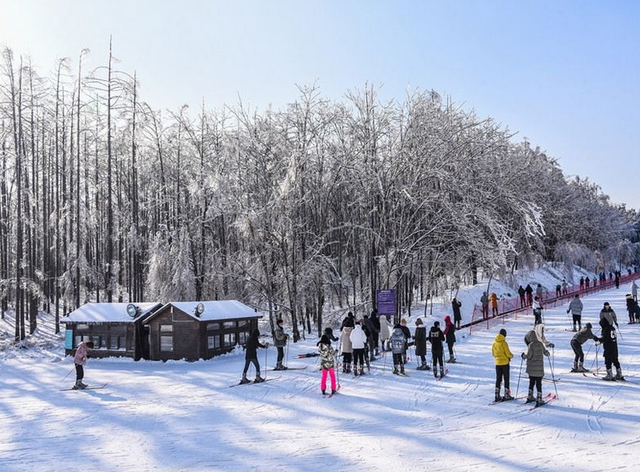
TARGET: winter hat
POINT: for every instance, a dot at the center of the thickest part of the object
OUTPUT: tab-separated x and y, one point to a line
447	319
436	323
606	304
503	332
324	340
419	322
589	326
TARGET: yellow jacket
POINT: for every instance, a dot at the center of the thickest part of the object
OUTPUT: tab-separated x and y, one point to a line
500	350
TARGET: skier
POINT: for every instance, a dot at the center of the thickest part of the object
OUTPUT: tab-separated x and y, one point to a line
529	291
348	321
521	292
375	322
539	292
407	336
385	332
493	298
631	308
484	300
537	310
535	368
347	348
251	356
327	363
420	341
608	314
578	340
358	341
436	337
398	348
80	360
370	330
575	308
537	333
280	339
609	342
329	333
450	336
564	286
457	316
502	353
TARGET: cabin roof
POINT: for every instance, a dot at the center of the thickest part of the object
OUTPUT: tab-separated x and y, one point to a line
109	313
213	310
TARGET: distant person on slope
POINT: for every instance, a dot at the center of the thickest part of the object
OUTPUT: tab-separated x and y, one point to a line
280	339
537	333
420	342
522	293
575	308
631	308
529	291
578	340
398	343
493	298
634	291
537	310
251	356
436	337
358	341
457	316
502	354
80	360
484	300
385	332
535	368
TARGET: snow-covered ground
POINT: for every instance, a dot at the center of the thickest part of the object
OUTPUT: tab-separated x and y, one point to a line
181	416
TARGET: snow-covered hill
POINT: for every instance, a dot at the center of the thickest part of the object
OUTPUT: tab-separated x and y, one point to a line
179	416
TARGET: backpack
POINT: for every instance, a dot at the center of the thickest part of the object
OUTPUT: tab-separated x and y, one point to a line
398	341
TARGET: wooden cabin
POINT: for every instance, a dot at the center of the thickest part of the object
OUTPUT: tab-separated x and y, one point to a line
199	330
116	329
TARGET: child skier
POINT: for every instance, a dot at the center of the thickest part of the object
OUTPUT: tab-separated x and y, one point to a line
327	363
450	336
80	360
609	342
251	356
398	348
420	341
436	337
537	310
578	340
535	368
502	354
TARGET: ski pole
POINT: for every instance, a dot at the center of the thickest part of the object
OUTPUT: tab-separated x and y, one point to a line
68	373
519	375
266	350
597	368
337	370
555	386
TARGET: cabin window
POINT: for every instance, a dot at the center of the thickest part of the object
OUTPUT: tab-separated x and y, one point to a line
242	337
213	327
213	342
243	323
230	339
229	325
166	338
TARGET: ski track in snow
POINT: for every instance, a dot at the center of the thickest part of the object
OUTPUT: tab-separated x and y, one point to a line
179	416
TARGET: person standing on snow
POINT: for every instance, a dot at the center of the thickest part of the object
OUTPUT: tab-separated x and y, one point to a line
502	354
436	338
537	310
398	348
529	291
407	336
577	341
347	348
358	342
251	356
450	337
327	363
608	314
484	300
539	292
493	298
634	291
420	341
457	316
385	332
521	292
375	321
609	342
575	308
631	308
80	360
280	339
535	368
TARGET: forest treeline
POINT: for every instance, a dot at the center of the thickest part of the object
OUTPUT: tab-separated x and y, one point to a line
294	211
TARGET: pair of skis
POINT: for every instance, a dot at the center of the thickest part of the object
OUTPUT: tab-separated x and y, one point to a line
253	382
88	387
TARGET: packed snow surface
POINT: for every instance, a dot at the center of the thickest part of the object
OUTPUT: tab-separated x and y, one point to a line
184	416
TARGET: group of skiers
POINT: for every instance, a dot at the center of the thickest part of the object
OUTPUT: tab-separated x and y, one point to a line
537	346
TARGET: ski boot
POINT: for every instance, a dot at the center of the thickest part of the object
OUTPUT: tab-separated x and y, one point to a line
619	373
581	368
395	369
79	385
402	370
530	397
244	379
507	396
258	379
324	392
609	375
539	401
497	398
435	371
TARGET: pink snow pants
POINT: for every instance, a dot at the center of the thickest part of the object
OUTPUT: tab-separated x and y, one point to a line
323	381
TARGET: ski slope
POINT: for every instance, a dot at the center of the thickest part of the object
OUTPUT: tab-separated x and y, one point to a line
181	416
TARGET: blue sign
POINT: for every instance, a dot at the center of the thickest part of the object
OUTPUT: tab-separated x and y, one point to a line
68	339
386	302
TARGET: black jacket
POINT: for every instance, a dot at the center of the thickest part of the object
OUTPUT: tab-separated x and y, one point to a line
253	343
436	337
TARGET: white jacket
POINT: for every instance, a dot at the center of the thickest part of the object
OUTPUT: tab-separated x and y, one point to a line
358	338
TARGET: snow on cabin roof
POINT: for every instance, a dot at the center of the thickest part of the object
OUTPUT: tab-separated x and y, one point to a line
218	310
108	313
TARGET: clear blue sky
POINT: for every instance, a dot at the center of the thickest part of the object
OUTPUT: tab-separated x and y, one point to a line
564	74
